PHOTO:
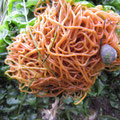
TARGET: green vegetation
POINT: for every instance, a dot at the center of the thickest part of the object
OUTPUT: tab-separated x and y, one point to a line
102	101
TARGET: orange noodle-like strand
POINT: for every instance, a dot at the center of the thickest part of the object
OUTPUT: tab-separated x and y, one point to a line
68	38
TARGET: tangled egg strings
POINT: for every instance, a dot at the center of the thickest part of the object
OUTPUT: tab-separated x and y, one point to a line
68	40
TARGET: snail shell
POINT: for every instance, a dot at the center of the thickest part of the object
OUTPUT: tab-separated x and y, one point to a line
108	54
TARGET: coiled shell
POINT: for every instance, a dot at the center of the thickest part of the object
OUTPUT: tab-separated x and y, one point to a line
108	54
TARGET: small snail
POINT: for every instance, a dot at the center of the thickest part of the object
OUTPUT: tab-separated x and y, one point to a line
108	54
